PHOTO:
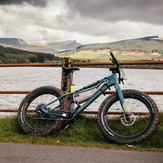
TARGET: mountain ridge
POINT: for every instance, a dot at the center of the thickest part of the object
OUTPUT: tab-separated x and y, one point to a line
40	46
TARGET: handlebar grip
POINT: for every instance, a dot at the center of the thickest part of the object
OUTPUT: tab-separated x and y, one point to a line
112	55
114	60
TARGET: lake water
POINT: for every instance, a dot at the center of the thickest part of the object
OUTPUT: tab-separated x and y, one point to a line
29	78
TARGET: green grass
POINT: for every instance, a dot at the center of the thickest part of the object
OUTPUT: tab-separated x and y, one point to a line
103	55
83	132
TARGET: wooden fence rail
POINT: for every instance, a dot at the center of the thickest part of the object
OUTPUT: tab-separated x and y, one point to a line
80	64
30	65
106	92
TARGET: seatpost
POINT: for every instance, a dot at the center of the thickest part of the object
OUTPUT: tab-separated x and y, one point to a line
71	78
71	81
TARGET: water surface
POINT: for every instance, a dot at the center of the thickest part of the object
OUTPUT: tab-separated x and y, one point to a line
29	78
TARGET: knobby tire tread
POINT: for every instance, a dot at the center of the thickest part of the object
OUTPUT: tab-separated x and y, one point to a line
122	141
57	125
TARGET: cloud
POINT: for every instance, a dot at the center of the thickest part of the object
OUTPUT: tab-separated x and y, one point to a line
117	10
85	21
40	3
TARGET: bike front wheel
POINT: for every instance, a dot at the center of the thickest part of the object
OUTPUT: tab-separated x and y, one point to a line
140	122
30	117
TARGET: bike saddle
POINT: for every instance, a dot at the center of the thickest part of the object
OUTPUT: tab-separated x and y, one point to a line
70	69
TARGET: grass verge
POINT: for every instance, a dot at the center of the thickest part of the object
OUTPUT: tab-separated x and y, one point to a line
83	132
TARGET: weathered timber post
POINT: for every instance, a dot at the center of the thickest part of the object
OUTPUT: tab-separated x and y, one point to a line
65	81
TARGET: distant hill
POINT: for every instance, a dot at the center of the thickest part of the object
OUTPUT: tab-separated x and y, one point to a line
146	48
65	45
40	46
139	44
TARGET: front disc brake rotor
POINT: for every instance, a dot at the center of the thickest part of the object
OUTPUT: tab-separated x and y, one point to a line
128	119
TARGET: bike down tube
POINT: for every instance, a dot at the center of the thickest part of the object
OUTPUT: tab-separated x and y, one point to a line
89	101
112	79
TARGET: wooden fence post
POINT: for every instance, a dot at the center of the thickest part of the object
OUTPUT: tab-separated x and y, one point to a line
65	81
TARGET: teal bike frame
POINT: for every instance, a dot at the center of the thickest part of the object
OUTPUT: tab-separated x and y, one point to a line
109	81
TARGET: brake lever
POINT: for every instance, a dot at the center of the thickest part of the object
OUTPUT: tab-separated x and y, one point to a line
122	80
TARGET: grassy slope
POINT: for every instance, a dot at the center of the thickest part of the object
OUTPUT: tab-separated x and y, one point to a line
103	55
83	132
133	49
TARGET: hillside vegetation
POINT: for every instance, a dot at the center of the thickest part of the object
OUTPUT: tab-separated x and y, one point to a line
12	55
14	50
147	48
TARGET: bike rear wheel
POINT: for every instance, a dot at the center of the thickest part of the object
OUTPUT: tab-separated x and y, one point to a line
140	123
32	120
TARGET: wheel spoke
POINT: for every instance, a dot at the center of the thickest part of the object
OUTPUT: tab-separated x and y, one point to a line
34	120
128	128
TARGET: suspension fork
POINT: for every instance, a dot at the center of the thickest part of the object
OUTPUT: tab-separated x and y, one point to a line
121	98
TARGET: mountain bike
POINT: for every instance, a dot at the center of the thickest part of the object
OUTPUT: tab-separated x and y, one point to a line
125	117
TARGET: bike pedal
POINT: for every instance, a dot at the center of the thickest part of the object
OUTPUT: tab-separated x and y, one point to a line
68	125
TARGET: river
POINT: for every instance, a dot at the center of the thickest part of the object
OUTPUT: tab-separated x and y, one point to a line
29	78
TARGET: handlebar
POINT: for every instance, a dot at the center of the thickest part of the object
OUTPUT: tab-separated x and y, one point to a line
112	55
117	68
114	60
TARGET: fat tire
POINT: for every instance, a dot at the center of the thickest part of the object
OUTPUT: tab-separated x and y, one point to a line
28	98
113	137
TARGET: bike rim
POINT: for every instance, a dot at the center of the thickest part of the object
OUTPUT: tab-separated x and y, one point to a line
138	107
39	122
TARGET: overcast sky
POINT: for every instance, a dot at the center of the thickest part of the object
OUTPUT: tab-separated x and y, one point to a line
86	21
